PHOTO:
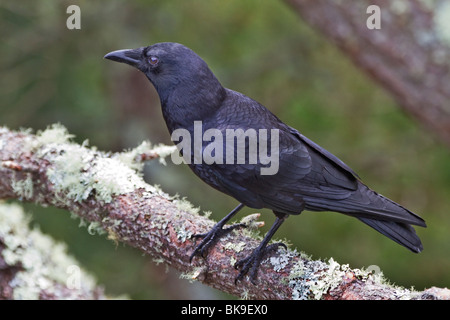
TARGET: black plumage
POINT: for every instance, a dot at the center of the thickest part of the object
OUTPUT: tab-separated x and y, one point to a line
308	176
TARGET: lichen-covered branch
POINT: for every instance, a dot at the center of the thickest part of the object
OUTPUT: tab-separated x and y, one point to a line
107	191
409	55
34	266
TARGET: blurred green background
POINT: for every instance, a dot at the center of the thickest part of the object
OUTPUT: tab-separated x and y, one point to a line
261	48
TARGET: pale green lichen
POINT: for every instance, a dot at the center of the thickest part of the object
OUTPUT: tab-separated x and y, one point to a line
232	261
330	278
182	233
132	157
194	274
236	247
245	295
185	205
304	278
280	261
54	134
163	151
129	157
207	213
251	221
80	172
252	226
95	228
158	261
311	279
159	222
42	261
23	188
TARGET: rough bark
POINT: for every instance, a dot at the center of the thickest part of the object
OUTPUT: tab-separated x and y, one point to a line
408	56
48	169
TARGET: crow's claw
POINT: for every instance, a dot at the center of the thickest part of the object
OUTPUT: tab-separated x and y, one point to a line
250	264
210	239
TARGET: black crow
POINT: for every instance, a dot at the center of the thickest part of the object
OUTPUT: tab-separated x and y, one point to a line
300	175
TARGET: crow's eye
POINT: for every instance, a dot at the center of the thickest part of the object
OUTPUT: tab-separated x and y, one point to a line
153	60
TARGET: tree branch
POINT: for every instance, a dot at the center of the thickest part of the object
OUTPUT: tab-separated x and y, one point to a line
408	56
34	266
107	191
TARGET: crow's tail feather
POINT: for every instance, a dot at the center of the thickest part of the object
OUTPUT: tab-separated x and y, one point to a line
401	233
384	215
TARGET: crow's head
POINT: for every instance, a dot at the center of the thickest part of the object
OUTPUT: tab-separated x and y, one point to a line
167	65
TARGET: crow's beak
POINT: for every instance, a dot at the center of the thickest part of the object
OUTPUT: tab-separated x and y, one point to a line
128	56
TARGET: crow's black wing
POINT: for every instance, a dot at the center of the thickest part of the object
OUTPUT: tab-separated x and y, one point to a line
302	169
301	172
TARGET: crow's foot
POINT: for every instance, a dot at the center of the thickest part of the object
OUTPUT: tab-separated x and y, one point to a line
250	265
210	238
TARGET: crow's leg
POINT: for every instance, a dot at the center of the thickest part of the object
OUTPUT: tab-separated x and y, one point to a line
210	238
250	264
